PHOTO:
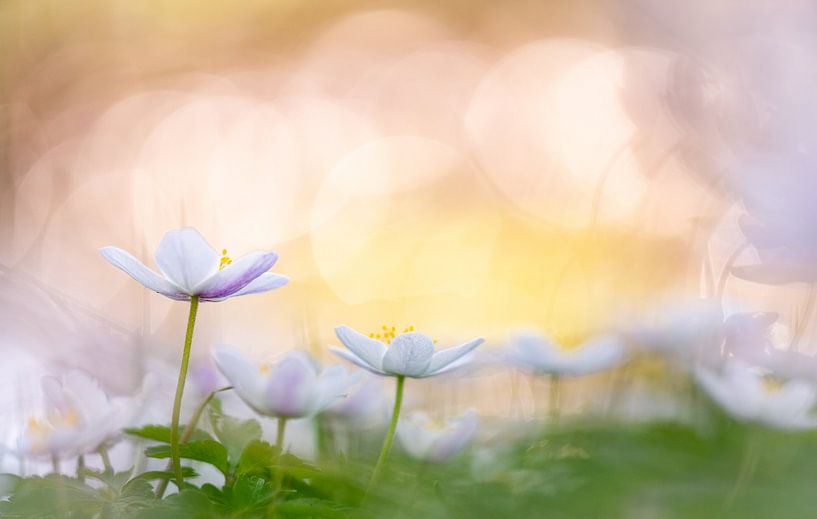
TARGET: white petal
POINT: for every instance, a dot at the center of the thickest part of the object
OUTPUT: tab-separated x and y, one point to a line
443	358
263	283
185	258
291	390
409	354
334	384
459	433
366	348
124	261
244	375
236	276
354	359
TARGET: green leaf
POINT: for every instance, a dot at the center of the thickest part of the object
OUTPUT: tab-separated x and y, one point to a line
257	458
188	504
234	434
161	433
250	493
208	451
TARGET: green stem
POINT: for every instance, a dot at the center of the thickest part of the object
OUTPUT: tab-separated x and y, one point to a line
81	468
554	397
177	403
279	439
188	432
395	415
106	460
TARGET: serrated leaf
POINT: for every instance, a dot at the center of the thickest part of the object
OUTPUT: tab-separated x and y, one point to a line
234	434
161	433
257	458
207	451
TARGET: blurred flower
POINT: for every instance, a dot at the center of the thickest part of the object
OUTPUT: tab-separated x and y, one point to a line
409	354
434	442
682	329
777	192
190	267
365	400
79	418
291	388
753	395
543	355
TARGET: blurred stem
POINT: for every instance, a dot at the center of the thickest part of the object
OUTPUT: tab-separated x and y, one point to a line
805	317
81	468
751	456
55	463
177	403
727	267
106	460
279	439
387	443
188	432
553	404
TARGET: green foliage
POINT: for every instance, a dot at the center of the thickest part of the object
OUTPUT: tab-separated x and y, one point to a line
207	451
609	470
161	433
232	433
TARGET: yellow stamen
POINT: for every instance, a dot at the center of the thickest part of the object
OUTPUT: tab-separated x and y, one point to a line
264	368
771	384
388	333
225	260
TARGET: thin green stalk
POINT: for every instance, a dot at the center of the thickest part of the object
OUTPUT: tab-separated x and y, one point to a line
387	443
188	432
554	397
279	439
177	403
106	460
81	468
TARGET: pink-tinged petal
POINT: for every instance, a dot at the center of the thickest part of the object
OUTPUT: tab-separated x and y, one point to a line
186	259
365	348
137	270
354	359
409	354
443	358
244	375
236	276
263	283
291	390
452	442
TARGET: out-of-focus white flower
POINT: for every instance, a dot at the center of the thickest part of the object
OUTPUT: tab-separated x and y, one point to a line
409	354
190	267
365	400
752	395
79	418
434	442
543	355
683	329
777	191
290	388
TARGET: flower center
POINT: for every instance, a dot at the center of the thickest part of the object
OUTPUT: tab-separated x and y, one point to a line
225	260
568	341
388	333
264	368
771	384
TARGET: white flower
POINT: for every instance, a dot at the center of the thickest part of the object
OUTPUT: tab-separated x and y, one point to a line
426	440
190	267
748	394
365	400
409	354
291	388
683	329
79	418
542	355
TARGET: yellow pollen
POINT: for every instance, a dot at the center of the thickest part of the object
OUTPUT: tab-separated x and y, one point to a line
225	260
263	369
388	333
772	385
568	341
